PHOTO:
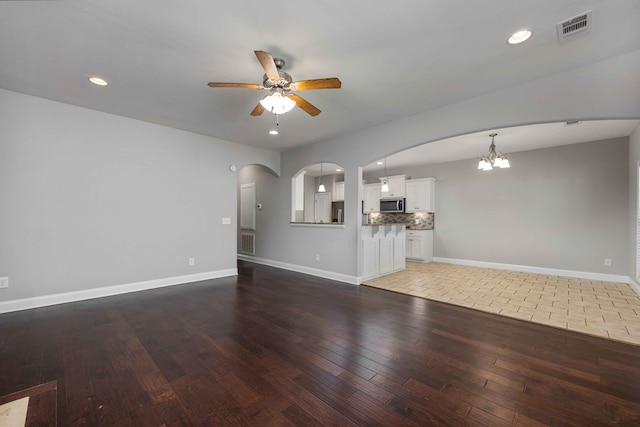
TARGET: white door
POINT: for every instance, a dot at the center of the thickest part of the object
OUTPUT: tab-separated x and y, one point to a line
323	207
248	206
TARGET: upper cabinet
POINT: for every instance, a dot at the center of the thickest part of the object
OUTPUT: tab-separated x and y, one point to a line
371	198
338	191
420	194
396	186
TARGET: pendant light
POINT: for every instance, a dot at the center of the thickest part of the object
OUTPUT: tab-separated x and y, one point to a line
385	181
493	159
321	188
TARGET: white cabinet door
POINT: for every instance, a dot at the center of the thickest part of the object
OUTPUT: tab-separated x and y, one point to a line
415	248
371	198
338	191
399	254
386	256
370	258
420	195
420	245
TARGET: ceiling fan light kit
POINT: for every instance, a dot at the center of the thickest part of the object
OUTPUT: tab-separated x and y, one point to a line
281	100
493	159
277	103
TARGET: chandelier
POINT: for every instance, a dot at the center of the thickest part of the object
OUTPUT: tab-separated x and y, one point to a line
493	159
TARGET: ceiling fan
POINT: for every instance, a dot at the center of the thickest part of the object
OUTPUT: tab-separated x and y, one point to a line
280	85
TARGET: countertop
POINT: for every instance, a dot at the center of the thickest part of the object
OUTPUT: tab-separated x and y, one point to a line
407	226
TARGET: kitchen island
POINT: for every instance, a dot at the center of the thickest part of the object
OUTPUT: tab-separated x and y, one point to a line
383	249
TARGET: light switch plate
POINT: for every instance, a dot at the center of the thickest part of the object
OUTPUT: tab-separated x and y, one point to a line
4	282
226	221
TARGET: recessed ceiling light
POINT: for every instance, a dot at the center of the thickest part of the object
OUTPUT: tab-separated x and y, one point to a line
273	132
338	170
98	81
519	37
379	163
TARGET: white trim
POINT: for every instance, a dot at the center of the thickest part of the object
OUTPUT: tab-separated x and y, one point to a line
538	270
352	280
45	300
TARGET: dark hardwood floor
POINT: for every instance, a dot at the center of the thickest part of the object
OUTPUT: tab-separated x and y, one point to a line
274	347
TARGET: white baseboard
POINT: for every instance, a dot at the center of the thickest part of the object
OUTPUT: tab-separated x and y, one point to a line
352	280
634	285
46	300
538	270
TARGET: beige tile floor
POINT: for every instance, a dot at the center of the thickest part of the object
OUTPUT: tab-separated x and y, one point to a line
605	309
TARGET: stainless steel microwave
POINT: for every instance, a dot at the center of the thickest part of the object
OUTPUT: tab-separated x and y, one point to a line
392	205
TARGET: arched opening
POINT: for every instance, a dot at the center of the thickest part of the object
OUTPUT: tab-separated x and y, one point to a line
257	185
318	194
545	211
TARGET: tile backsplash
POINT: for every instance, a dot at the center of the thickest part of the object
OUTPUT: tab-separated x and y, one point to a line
421	220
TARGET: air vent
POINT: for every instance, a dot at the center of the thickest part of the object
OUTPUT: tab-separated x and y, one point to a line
571	27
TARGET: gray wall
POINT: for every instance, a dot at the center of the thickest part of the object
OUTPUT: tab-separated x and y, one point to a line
634	161
89	199
607	89
562	208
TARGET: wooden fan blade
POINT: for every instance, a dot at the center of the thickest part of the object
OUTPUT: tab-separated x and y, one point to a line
305	105
269	66
258	110
243	85
329	83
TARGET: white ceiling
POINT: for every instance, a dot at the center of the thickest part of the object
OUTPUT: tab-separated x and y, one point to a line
394	61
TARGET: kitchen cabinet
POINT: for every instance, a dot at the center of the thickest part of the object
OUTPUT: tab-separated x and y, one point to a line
420	195
338	191
396	186
383	248
419	245
371	198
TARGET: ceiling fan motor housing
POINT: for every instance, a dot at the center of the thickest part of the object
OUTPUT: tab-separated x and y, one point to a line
284	82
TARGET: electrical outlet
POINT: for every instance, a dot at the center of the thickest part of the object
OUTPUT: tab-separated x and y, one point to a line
4	282
317	257
192	261
607	262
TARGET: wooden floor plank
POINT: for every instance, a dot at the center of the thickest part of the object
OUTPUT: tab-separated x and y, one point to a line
273	347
